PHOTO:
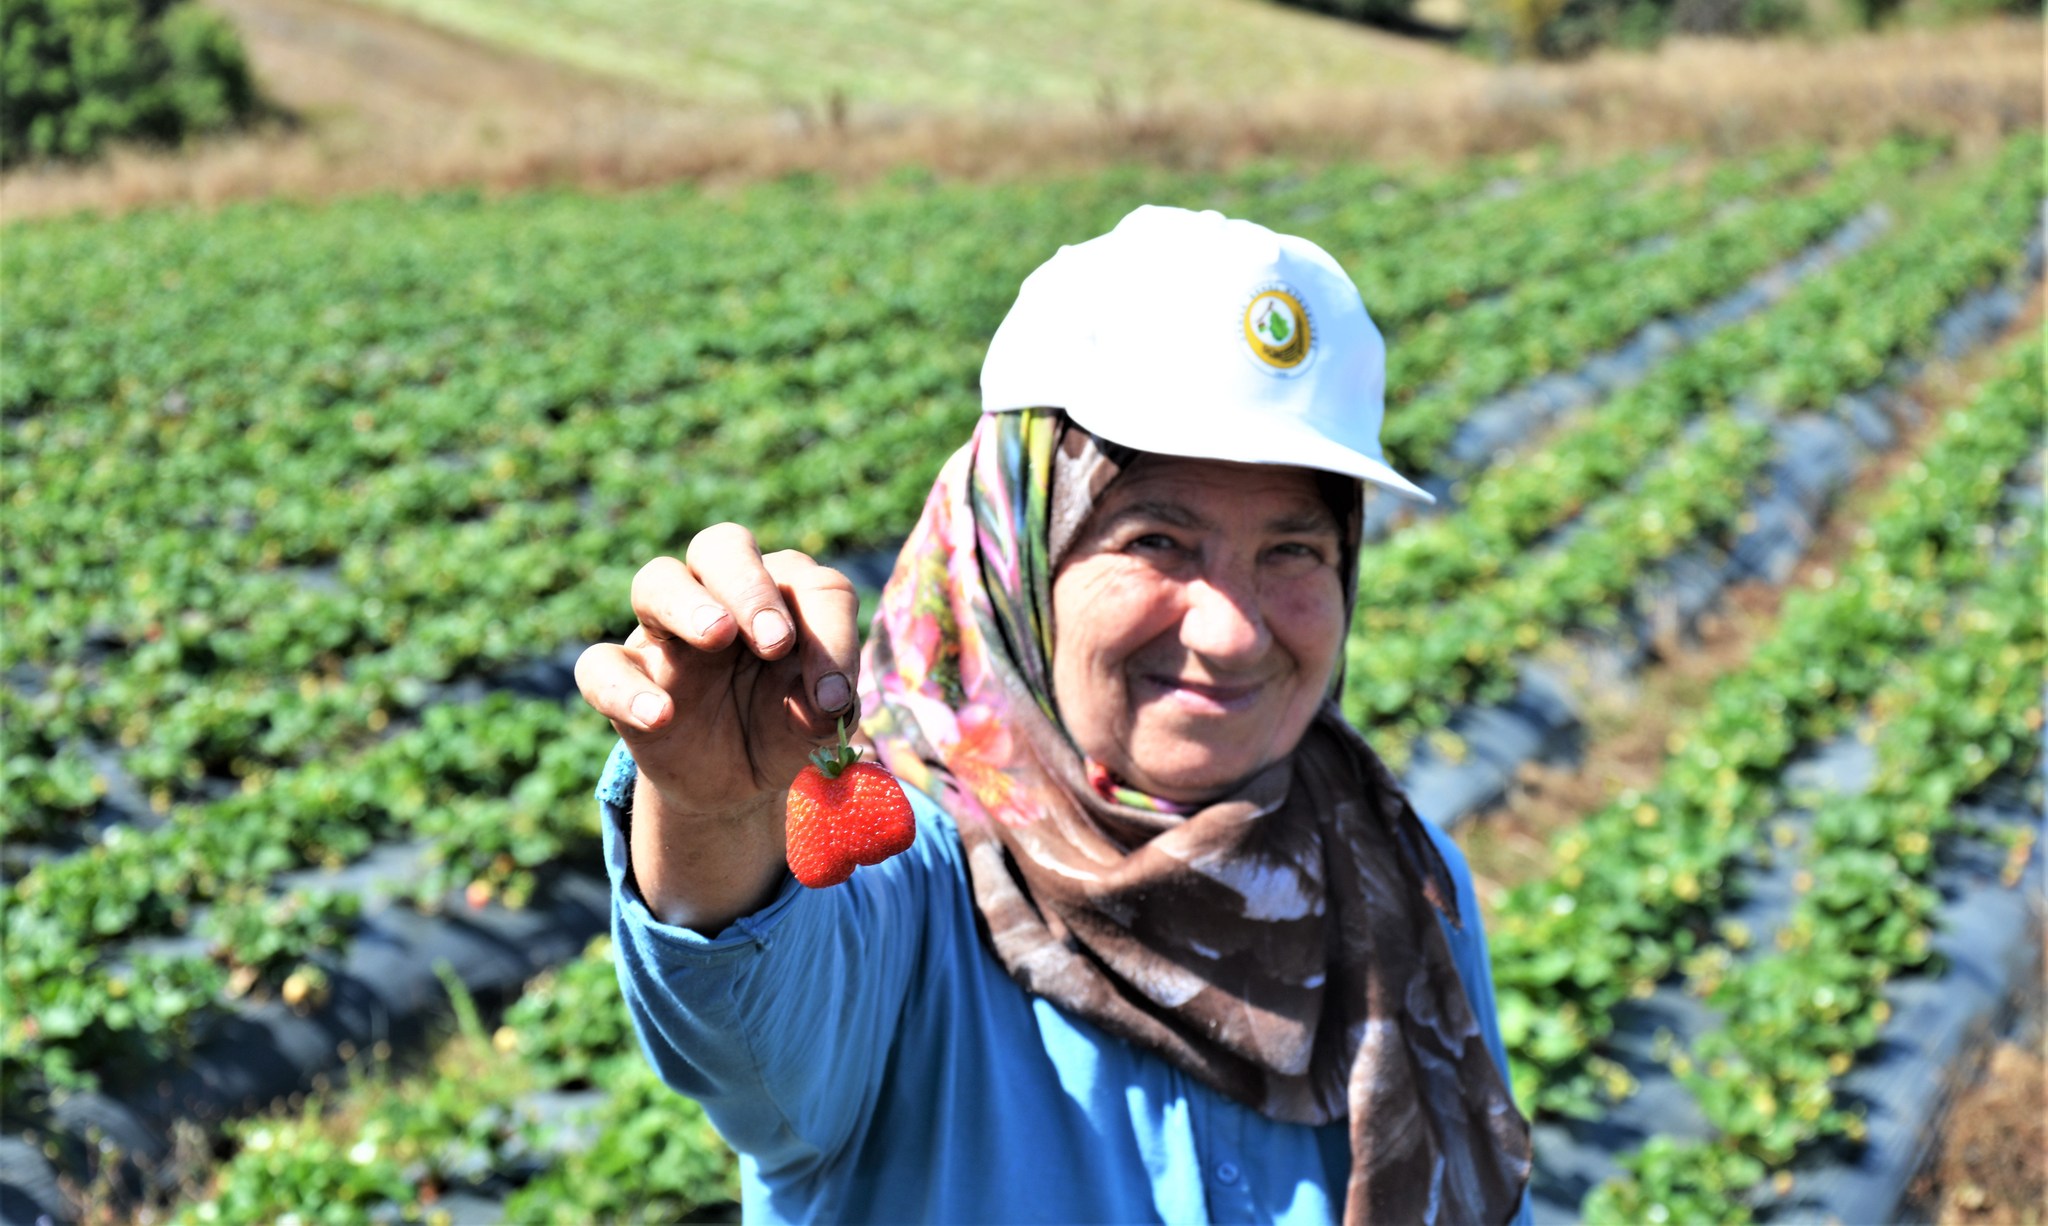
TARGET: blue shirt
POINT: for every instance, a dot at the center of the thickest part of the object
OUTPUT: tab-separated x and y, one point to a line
871	1060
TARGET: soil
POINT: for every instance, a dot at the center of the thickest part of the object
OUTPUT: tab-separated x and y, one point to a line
1992	1168
327	57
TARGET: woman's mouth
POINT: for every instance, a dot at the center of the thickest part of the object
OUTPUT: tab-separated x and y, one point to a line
1203	698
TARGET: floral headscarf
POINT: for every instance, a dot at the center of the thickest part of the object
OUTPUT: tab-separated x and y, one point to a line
1281	944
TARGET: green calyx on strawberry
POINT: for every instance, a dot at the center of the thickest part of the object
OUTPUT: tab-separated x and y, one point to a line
843	812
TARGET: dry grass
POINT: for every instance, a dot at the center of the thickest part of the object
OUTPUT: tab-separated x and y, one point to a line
882	56
388	104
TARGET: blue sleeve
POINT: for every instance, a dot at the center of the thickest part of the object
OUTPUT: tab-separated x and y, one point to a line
1475	967
780	1024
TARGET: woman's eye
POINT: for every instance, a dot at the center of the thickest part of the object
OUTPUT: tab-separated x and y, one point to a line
1154	540
1296	550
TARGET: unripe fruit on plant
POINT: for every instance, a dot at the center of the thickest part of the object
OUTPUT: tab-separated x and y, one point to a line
844	812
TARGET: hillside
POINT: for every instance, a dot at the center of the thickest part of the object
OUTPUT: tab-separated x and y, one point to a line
896	56
385	101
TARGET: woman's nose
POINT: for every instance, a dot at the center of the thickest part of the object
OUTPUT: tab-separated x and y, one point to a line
1223	620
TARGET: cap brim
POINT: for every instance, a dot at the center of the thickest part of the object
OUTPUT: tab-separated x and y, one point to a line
1281	441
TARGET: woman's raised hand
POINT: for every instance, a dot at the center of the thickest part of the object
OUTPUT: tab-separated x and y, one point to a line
740	667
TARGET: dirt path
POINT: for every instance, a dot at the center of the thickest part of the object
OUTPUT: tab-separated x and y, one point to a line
332	56
373	101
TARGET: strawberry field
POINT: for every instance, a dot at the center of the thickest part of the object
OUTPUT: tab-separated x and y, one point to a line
308	508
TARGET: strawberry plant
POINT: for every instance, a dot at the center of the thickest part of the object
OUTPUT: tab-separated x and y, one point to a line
1436	375
1671	1182
1652	865
570	1025
1413	659
273	941
656	1159
48	782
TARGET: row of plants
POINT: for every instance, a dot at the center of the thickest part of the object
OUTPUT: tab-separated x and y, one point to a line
1507	509
1641	882
1449	609
168	852
49	784
527	522
87	1009
1632	204
171	854
315	755
497	791
1795	1021
547	461
1439	372
649	1152
583	310
395	1149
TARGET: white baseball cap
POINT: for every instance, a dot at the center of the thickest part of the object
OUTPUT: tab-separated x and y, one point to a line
1193	334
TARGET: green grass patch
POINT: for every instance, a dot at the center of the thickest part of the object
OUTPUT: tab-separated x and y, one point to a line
928	55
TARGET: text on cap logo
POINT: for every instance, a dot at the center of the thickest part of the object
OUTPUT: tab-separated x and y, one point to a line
1278	328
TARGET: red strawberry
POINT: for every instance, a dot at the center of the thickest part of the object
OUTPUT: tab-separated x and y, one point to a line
843	812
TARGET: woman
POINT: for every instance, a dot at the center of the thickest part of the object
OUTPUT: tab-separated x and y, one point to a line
1170	944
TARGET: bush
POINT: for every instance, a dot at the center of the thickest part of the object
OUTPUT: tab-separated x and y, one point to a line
1739	17
75	74
1396	12
1566	29
1973	10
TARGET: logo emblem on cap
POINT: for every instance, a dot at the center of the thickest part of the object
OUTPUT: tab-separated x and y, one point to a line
1278	328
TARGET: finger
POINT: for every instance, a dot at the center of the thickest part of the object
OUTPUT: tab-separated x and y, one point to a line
614	682
828	615
672	605
727	562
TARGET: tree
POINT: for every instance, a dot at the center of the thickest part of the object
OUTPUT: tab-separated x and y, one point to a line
75	74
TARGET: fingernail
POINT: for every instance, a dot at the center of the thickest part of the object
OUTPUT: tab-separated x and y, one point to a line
704	618
647	708
833	691
770	628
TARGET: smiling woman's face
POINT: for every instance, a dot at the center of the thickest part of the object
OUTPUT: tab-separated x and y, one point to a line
1197	621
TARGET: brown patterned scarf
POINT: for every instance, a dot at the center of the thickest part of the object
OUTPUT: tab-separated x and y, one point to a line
1281	944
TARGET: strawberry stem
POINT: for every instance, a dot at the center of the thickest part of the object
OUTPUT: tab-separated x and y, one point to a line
832	759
